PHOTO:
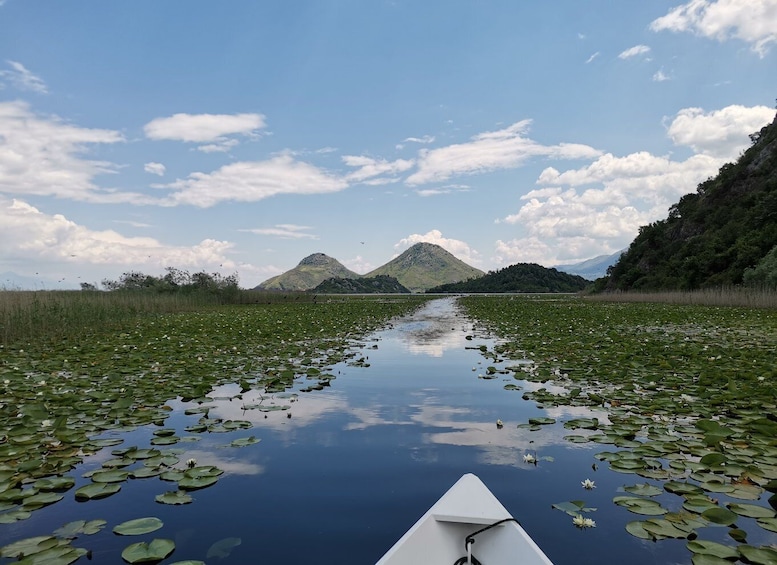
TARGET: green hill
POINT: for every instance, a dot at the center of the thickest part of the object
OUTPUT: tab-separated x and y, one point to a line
380	284
723	234
522	277
426	265
310	272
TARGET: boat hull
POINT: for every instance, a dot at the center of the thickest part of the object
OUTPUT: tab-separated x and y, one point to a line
438	537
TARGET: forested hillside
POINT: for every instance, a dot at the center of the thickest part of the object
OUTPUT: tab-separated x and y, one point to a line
723	234
522	277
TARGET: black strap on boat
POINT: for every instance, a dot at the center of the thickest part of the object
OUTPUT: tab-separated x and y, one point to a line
470	540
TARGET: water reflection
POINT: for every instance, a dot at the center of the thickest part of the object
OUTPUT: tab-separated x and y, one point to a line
433	330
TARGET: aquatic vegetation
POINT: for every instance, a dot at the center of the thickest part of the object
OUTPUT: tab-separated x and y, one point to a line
680	394
62	398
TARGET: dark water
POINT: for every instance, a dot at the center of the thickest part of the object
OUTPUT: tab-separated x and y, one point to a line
358	462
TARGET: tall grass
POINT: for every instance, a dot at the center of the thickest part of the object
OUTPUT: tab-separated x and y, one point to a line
728	296
43	315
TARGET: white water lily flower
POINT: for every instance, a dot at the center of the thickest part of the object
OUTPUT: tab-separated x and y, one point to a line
588	484
499	424
191	463
581	522
6	382
529	458
45	423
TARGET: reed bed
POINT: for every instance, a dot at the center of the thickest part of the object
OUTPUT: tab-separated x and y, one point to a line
57	314
731	296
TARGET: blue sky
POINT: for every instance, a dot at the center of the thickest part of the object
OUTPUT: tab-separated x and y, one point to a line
241	137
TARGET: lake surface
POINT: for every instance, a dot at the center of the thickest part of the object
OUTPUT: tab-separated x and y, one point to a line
345	471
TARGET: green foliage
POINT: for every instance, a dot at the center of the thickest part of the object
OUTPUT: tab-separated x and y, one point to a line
764	275
380	284
712	237
522	277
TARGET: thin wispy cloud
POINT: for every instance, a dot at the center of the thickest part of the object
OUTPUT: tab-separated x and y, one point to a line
212	130
23	79
660	76
634	51
284	231
592	57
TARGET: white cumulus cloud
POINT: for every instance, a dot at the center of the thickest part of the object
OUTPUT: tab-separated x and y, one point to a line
155	168
502	149
752	21
31	235
598	209
721	133
212	130
250	181
46	156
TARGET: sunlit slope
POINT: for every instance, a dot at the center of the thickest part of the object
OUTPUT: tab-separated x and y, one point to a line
311	271
426	265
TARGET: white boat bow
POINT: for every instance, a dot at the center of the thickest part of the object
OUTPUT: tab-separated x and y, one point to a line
467	518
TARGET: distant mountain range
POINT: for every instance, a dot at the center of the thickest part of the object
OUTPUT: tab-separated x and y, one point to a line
593	268
427	266
422	266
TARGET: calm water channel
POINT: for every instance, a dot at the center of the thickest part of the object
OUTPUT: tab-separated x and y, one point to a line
358	462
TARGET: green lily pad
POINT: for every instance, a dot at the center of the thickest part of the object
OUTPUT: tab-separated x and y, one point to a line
55	483
72	530
573	507
541	421
41	499
28	546
758	555
645	489
110	476
60	555
150	552
94	491
14	516
242	442
199	477
751	510
640	505
768	524
713	548
174	497
721	516
138	526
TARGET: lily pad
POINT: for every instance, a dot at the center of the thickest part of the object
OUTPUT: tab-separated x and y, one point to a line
138	526
174	497
713	548
72	530
640	505
751	510
94	491
143	552
645	489
721	516
242	442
